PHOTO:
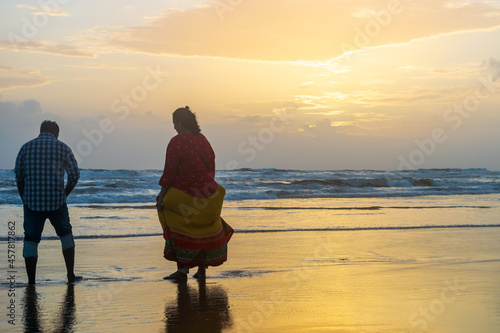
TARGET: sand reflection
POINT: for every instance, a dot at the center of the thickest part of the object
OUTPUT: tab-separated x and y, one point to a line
33	319
201	309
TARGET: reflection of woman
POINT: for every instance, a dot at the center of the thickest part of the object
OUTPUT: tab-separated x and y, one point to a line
204	310
190	201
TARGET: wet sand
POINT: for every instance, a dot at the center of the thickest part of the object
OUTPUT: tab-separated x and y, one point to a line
430	280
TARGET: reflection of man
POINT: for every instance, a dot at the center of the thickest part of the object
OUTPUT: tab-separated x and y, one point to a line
40	168
33	317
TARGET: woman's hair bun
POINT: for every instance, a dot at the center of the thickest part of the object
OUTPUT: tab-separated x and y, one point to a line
187	119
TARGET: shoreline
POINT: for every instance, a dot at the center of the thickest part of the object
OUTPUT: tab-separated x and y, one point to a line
288	215
248	231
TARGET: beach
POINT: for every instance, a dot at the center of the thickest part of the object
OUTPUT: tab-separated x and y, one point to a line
430	268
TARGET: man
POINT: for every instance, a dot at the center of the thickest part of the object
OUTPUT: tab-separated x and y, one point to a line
40	167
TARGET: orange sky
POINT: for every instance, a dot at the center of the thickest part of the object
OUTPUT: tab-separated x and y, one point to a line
286	84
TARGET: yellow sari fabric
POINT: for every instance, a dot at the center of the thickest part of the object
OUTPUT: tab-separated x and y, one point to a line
193	229
191	216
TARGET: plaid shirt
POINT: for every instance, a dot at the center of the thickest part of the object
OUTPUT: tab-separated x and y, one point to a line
41	163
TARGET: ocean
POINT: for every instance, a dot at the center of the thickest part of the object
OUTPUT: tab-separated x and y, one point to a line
120	203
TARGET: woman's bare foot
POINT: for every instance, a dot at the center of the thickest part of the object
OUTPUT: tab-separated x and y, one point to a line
201	274
177	276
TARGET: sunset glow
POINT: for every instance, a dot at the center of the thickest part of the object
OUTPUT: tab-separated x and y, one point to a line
305	84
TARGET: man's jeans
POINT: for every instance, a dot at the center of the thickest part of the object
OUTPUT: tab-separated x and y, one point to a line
33	227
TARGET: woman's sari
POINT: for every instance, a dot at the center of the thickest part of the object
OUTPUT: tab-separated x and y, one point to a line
194	232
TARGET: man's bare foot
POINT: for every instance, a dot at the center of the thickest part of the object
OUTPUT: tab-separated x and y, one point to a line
74	278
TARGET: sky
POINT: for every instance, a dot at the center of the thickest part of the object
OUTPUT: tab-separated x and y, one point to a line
289	84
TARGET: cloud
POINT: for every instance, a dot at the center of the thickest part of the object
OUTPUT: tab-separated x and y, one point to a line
450	71
53	10
279	30
376	82
347	123
415	96
104	66
31	46
16	77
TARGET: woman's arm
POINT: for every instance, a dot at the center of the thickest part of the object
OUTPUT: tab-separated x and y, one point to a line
169	171
159	201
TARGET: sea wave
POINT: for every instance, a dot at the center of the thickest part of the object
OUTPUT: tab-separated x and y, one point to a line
141	186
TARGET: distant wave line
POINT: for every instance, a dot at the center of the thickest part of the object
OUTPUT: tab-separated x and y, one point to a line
362	208
250	231
111	206
452	226
103	206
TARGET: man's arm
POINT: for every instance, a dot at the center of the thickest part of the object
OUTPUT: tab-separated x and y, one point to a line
69	188
73	172
19	171
20	187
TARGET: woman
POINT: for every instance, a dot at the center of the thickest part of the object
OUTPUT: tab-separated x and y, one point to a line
190	201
